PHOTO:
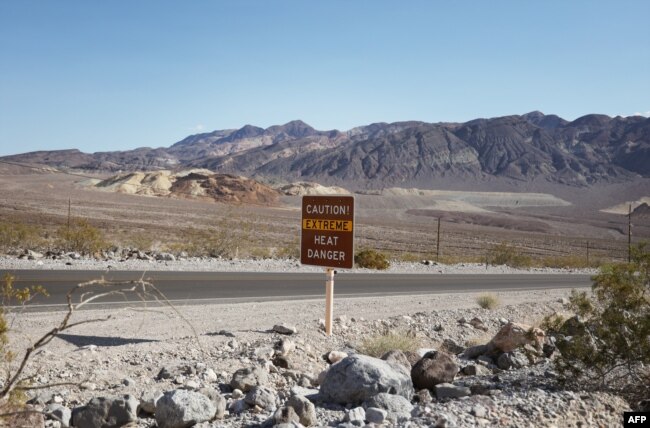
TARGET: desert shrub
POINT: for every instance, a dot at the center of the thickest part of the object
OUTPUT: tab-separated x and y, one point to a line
81	237
487	301
552	323
569	262
290	251
214	242
376	346
19	235
371	259
142	241
504	254
607	345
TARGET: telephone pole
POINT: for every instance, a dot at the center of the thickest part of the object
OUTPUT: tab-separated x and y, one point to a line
438	243
629	234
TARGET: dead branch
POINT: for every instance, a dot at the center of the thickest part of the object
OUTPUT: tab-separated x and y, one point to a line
140	288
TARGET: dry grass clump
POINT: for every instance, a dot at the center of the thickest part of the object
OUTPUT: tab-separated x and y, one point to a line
81	237
19	236
504	254
376	346
570	262
371	259
488	301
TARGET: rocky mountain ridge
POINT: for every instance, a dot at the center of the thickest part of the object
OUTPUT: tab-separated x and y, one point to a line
519	148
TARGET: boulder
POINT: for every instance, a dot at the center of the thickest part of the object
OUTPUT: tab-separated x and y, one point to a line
358	377
285	415
217	399
104	412
512	360
182	409
375	415
398	360
512	336
452	347
474	352
449	390
285	329
304	408
434	368
60	413
335	356
148	401
262	396
397	407
282	361
286	346
248	378
357	414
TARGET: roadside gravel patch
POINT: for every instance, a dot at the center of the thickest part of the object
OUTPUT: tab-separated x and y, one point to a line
264	265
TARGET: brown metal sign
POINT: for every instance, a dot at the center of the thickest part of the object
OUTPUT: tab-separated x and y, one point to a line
327	237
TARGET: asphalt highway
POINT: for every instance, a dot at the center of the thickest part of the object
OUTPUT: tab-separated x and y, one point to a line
221	287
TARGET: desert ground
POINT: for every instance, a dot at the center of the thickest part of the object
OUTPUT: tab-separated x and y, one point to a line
401	222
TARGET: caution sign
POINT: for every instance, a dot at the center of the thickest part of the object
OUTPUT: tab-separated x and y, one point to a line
327	237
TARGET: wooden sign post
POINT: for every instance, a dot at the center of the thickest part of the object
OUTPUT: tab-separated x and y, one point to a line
327	240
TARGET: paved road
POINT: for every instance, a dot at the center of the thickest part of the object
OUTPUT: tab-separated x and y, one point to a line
220	287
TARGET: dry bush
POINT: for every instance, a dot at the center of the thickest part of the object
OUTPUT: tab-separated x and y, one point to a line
607	345
488	301
377	346
504	254
569	262
81	237
371	259
19	236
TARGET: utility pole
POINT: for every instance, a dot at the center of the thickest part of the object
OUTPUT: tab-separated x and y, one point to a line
587	253
69	212
629	234
438	243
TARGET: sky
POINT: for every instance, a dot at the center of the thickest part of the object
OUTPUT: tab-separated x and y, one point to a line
116	75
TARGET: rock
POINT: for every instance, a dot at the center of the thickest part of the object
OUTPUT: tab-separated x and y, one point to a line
434	368
412	357
264	352
286	347
285	415
182	408
282	362
335	356
503	321
449	390
398	407
376	416
237	394
167	257
209	376
478	411
148	401
477	323
452	347
217	399
106	412
423	396
262	396
128	382
248	378
192	384
475	370
512	336
60	413
357	414
305	410
398	360
238	406
285	329
474	352
512	360
563	301
358	377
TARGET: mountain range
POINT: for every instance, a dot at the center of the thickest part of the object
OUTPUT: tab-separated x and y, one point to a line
519	148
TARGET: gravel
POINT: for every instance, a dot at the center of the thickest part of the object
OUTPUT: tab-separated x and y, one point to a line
201	264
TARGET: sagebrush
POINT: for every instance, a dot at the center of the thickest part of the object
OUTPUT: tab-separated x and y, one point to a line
606	346
377	346
371	259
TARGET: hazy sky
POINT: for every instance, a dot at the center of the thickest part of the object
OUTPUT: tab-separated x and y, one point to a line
108	75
